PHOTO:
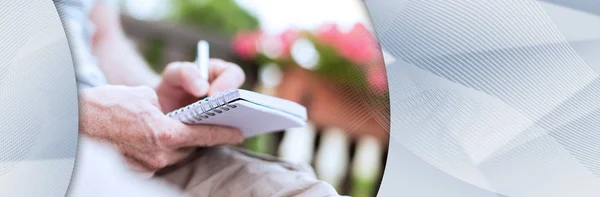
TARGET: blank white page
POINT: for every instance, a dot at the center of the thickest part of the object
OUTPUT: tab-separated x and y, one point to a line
254	119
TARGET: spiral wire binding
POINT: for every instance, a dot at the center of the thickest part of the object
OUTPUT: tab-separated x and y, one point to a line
203	109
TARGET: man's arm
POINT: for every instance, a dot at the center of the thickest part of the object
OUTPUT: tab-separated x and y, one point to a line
132	118
117	58
180	84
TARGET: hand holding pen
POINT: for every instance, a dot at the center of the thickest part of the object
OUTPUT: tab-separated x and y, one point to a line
186	82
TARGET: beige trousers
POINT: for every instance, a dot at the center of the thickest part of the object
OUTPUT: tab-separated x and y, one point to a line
228	171
219	171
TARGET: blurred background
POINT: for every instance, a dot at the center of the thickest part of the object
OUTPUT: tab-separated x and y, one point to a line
321	54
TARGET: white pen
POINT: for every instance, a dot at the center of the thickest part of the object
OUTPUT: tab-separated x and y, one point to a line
202	58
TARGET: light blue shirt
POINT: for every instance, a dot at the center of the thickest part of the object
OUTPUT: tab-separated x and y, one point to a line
74	15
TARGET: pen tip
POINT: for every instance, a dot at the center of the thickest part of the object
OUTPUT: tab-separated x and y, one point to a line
202	44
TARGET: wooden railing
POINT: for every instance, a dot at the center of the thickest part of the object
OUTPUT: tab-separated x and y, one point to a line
353	165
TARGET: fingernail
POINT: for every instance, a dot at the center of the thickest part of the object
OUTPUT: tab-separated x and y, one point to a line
239	140
236	137
240	137
201	86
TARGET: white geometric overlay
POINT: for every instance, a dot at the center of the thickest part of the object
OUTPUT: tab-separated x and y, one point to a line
38	101
491	98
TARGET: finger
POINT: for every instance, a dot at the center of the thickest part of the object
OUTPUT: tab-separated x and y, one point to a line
225	75
212	135
186	75
182	135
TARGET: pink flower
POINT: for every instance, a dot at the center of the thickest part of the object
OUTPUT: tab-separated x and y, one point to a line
377	78
277	46
359	45
286	39
245	43
329	34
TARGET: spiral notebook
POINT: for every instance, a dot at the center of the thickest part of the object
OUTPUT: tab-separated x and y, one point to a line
251	112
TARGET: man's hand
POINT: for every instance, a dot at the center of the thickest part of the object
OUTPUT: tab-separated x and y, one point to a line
131	119
182	83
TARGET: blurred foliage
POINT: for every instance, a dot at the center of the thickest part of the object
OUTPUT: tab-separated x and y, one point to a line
265	144
225	16
333	66
153	54
363	187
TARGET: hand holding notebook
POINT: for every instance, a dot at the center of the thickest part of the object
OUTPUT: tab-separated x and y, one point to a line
251	112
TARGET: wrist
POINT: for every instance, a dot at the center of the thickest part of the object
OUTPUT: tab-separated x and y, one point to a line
86	101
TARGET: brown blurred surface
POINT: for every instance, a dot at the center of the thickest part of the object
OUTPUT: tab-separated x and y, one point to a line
331	104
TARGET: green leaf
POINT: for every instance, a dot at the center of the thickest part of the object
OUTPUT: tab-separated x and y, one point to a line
225	16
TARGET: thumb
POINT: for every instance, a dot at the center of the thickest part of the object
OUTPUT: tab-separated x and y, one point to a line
187	76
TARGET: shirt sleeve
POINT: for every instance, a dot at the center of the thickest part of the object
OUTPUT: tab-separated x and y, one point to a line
79	29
